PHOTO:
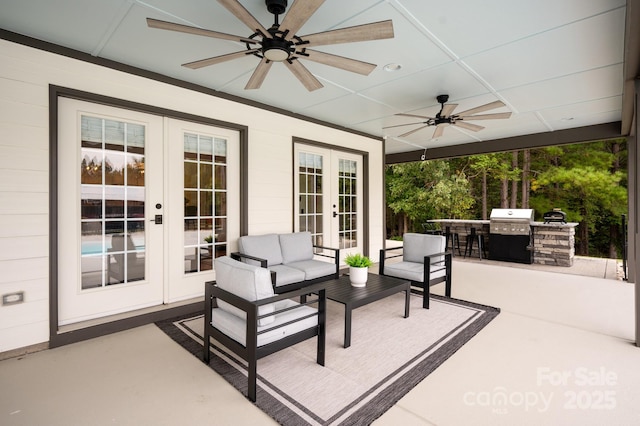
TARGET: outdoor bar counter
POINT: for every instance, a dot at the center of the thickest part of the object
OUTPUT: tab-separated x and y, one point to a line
553	243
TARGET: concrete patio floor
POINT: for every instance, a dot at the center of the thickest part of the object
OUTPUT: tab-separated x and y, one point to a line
560	353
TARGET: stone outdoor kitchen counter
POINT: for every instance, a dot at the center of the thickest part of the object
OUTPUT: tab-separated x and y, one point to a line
553	243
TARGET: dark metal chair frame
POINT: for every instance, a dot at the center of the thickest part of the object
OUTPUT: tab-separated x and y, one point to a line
251	353
446	264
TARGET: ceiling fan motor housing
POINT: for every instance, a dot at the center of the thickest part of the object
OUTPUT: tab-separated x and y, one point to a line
276	49
277	7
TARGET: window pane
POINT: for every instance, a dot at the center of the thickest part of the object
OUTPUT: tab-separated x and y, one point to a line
190	203
190	147
135	170
190	174
114	168
206	203
221	177
221	150
91	167
135	138
206	149
206	176
221	204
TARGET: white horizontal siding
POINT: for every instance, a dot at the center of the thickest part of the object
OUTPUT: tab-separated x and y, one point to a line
23	225
25	76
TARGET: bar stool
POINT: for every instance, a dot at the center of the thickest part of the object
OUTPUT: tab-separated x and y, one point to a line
471	238
452	239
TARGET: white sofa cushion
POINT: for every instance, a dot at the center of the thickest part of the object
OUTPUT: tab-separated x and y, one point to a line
287	275
417	246
313	268
263	246
236	328
247	281
296	247
413	270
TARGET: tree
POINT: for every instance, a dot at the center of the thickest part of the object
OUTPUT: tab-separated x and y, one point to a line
425	190
581	182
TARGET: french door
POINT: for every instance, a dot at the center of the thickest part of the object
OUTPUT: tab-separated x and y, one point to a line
143	207
328	197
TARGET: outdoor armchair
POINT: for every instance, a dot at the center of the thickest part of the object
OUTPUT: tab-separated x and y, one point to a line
424	261
243	314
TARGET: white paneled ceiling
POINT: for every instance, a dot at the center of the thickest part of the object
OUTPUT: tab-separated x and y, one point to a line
556	64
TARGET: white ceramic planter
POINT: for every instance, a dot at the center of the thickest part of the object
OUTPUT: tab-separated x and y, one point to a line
358	276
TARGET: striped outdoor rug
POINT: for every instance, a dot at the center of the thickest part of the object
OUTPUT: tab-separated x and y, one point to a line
388	356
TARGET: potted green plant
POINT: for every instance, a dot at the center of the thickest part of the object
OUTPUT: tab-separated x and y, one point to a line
358	268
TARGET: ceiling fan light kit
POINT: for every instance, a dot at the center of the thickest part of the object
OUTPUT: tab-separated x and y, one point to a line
446	117
280	43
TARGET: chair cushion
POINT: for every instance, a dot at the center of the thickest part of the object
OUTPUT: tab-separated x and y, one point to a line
417	246
296	247
287	275
247	281
413	271
236	328
314	268
262	246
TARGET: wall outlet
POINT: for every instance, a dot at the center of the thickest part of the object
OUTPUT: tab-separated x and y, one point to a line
12	298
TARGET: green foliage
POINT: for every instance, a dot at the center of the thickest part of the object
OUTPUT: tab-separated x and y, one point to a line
587	181
426	190
358	261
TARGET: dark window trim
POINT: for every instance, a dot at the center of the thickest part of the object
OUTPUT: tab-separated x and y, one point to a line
56	92
365	183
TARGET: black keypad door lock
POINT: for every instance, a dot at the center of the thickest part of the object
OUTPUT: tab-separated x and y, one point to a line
158	219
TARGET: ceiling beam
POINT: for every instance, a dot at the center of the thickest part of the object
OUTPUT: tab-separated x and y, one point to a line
538	140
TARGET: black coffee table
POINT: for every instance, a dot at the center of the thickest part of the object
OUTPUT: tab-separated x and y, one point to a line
378	287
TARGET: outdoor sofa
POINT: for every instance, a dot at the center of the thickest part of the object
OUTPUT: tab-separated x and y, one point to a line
290	257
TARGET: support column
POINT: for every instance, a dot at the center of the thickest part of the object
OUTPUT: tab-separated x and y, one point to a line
634	206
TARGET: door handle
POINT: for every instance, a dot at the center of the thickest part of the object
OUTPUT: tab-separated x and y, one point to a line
157	219
335	214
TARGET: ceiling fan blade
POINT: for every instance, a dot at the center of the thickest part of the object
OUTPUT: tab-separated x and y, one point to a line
481	108
447	109
374	31
243	14
341	62
495	116
259	74
416	116
218	59
438	132
412	131
468	126
298	14
164	25
304	75
401	125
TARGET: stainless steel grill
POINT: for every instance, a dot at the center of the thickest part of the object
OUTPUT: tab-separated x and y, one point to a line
510	235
